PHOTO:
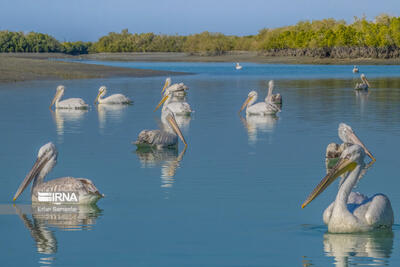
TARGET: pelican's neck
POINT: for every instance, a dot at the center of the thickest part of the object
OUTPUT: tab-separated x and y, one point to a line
346	186
251	102
58	97
102	95
49	165
269	95
166	103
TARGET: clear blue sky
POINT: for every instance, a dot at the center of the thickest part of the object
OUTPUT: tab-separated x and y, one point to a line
87	20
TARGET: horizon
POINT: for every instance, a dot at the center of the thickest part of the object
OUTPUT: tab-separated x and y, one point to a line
88	21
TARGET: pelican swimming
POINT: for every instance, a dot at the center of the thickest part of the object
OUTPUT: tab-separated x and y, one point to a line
237	66
352	212
274	98
355	69
261	108
112	99
166	137
178	108
61	190
70	103
364	85
178	89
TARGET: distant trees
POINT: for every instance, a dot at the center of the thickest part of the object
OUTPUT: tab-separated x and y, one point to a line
324	38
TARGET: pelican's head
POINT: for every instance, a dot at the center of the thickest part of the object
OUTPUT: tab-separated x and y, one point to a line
59	93
350	158
46	159
364	79
102	92
170	117
347	135
167	94
251	97
271	84
166	84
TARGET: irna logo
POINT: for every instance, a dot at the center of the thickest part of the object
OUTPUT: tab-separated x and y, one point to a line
58	197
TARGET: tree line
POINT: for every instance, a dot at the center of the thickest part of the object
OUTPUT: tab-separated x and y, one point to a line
325	38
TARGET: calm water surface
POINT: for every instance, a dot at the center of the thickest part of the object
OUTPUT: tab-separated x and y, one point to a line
233	199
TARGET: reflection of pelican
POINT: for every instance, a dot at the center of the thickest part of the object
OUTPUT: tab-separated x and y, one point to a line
61	190
237	66
255	124
368	248
106	111
261	108
178	89
167	158
364	85
274	98
166	137
352	212
61	116
178	108
70	103
112	99
355	69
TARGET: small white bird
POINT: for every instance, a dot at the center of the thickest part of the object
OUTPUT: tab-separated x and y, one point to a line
261	108
112	99
355	69
237	66
70	103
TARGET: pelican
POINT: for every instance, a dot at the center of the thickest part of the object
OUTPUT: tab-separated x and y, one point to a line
261	108
237	66
70	103
277	98
355	69
112	99
166	137
364	85
355	212
178	89
178	108
61	190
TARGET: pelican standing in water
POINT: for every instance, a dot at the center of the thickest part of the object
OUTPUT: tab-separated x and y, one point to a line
178	108
237	66
112	99
364	85
70	103
61	190
355	69
179	89
164	138
274	98
261	108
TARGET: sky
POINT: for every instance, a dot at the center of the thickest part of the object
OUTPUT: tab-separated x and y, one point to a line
87	20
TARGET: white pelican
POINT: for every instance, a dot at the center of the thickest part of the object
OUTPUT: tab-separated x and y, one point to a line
355	69
178	108
70	103
112	99
167	137
277	98
67	190
237	66
261	108
178	89
364	85
352	212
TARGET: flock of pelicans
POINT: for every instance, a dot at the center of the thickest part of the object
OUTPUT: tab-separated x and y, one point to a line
350	212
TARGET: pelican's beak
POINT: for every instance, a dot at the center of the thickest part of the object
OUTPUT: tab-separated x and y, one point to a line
366	81
245	103
37	167
54	99
162	101
166	85
342	166
97	98
357	141
176	129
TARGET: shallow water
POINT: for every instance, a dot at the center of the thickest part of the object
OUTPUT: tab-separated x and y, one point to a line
232	199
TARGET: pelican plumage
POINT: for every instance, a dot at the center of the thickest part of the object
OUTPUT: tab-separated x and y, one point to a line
181	108
112	99
364	85
355	69
237	66
274	98
67	190
70	103
261	108
165	137
178	89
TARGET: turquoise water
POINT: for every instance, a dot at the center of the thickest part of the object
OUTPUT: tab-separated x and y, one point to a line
232	199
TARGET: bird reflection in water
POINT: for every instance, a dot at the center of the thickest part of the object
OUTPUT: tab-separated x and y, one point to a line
255	124
71	116
110	112
167	158
63	217
373	248
361	99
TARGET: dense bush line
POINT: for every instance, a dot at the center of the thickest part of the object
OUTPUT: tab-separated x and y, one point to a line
320	38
